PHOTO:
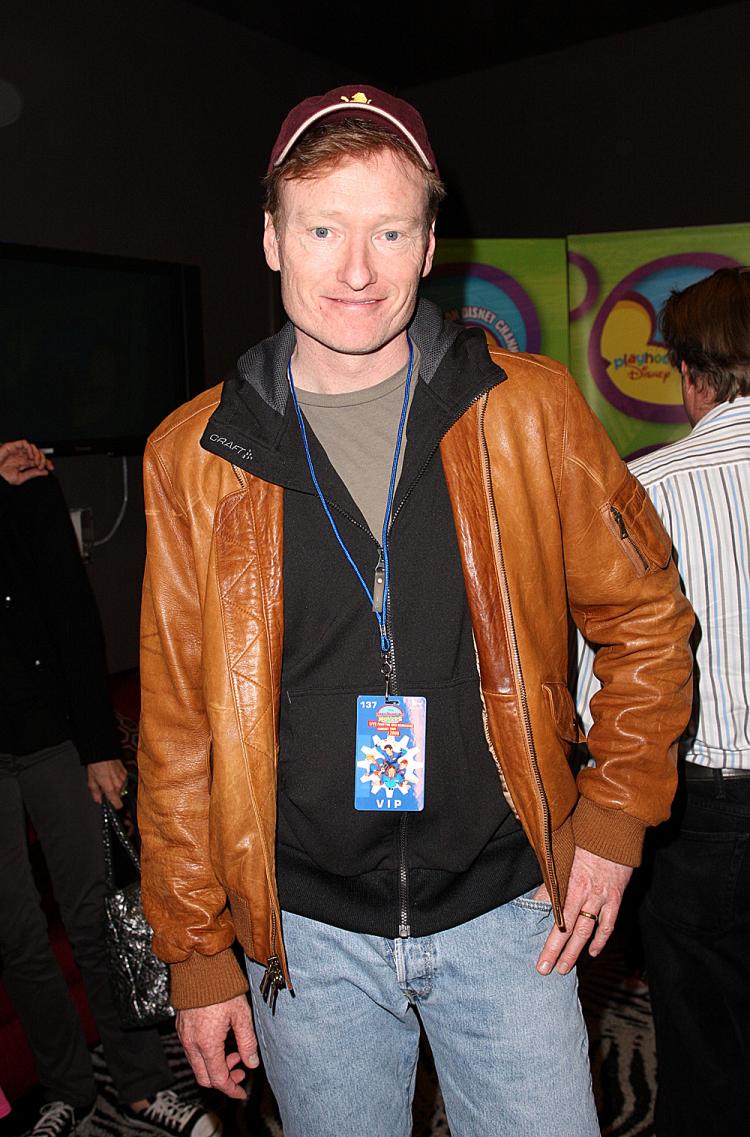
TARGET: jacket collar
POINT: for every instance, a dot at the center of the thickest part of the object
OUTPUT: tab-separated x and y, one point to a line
255	427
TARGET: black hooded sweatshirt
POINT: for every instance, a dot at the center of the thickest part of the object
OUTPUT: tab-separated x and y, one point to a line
464	854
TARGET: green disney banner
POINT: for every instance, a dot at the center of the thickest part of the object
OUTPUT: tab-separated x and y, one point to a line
617	284
516	291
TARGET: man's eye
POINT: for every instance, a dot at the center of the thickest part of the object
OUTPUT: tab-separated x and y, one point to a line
321	231
392	235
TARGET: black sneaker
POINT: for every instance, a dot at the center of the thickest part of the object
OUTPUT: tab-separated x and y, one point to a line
167	1113
58	1119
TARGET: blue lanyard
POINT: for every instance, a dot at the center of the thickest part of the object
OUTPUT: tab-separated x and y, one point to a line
382	614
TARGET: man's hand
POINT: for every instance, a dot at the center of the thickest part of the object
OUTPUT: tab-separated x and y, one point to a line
203	1031
22	460
109	779
596	886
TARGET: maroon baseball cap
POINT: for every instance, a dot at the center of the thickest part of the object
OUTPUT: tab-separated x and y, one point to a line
394	115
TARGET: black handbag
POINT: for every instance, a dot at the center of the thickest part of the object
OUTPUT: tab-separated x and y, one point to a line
140	981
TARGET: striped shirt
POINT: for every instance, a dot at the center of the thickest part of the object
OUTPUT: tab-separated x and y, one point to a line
700	487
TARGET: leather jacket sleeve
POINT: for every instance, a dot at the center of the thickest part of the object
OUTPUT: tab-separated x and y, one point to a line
625	596
552	524
183	899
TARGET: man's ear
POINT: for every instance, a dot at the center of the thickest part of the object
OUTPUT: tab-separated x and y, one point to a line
429	251
270	244
693	380
697	382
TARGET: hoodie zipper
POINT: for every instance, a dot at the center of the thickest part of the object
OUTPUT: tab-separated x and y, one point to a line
404	928
549	860
391	679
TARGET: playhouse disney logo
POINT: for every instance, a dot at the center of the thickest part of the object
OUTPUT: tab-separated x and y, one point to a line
627	358
646	365
638	366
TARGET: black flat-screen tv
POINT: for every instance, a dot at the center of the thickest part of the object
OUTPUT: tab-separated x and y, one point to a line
94	350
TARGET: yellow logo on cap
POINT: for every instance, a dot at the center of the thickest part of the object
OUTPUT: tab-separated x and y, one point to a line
360	97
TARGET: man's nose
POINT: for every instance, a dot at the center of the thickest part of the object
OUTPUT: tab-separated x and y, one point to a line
357	267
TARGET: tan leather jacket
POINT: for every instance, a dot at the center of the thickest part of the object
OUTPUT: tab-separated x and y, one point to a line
549	522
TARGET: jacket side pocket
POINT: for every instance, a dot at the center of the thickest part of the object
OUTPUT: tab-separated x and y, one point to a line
562	709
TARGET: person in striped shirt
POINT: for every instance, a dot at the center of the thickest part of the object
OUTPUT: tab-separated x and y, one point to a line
695	914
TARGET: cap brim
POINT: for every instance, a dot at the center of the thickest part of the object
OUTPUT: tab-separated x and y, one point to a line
357	109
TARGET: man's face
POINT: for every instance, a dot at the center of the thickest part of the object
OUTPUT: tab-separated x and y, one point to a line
351	247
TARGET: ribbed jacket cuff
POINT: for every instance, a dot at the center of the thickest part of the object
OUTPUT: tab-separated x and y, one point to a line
610	833
201	980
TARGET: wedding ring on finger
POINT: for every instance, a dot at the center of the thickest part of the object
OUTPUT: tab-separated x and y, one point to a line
589	916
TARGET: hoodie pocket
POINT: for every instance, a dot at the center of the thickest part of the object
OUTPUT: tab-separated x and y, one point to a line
463	804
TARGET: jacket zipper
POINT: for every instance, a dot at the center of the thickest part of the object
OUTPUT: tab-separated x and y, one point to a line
392	679
625	536
549	859
273	979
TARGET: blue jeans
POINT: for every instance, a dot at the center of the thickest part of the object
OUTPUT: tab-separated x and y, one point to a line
510	1045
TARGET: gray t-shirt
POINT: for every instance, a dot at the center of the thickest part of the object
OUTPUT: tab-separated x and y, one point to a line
358	432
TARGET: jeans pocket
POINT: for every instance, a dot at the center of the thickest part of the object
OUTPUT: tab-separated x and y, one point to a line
526	901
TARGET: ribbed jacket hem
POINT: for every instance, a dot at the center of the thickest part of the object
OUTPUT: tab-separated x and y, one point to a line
202	980
610	833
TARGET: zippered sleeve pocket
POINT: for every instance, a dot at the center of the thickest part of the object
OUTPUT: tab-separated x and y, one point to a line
634	523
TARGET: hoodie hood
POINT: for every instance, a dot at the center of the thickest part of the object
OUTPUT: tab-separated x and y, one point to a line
255	414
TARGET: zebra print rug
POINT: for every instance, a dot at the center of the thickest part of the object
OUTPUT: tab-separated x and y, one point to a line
621	1045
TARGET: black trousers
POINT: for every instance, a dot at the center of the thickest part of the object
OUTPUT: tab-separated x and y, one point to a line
52	786
695	922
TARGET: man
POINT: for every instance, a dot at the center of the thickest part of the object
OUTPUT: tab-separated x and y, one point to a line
368	534
59	753
695	918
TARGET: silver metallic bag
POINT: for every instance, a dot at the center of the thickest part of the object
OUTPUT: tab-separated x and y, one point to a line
140	981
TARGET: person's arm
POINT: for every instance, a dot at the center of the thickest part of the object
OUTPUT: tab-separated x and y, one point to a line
21	460
54	575
625	595
184	901
68	608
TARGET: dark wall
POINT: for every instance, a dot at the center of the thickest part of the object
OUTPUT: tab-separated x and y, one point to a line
646	129
146	125
145	128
